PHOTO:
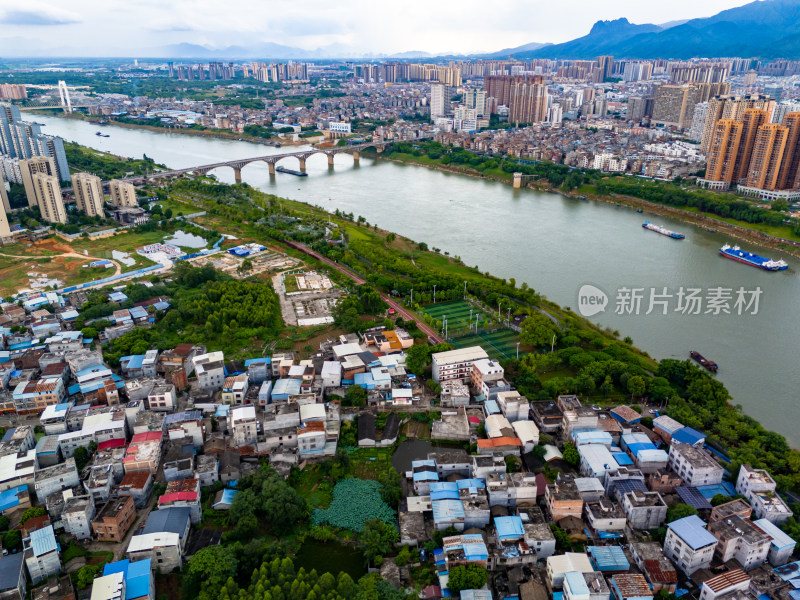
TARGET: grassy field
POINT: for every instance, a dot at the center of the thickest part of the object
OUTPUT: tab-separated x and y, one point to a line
458	313
499	344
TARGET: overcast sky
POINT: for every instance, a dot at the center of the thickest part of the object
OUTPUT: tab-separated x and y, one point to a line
142	27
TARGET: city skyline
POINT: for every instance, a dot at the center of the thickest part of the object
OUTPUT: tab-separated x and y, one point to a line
151	28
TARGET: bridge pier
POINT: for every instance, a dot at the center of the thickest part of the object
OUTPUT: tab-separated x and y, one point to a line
302	163
517	180
330	160
237	174
356	156
271	168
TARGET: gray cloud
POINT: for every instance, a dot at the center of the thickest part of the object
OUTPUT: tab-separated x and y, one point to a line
25	17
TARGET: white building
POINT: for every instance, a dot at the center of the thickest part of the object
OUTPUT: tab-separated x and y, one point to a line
694	465
77	516
162	548
210	370
689	545
758	487
456	364
243	425
41	554
56	479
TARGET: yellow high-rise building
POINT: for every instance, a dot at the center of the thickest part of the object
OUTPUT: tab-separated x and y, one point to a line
48	196
122	193
767	157
724	149
88	193
29	167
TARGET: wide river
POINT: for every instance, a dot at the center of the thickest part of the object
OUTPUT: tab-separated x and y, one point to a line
555	244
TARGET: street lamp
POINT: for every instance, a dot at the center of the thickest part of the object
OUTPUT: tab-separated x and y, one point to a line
517	350
434	294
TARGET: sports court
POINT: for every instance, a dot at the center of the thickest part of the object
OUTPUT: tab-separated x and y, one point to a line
457	313
500	344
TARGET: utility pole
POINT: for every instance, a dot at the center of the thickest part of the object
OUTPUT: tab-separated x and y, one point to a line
412	296
508	320
465	290
517	350
499	314
434	294
553	343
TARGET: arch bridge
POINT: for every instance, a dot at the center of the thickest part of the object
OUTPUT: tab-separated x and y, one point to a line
271	160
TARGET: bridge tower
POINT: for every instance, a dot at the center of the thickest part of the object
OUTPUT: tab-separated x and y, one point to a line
63	93
517	180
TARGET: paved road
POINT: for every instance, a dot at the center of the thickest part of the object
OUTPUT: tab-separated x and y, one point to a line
407	316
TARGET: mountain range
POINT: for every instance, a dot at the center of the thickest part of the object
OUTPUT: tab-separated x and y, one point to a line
764	29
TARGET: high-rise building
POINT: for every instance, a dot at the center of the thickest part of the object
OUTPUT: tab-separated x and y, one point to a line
767	157
88	193
702	72
5	208
674	104
723	152
20	139
698	120
725	106
31	166
789	176
440	100
13	91
528	102
606	66
475	98
49	198
636	107
499	86
4	195
122	193
752	120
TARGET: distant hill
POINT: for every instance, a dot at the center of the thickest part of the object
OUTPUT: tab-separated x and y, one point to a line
515	51
765	29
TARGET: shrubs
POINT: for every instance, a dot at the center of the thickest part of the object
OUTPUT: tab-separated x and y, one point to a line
355	501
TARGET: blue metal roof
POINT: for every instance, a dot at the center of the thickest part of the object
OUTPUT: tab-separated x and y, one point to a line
185	415
491	407
509	527
426	476
779	539
423	463
609	558
43	541
250	361
227	497
10	498
447	510
134	361
687	435
622	459
470	483
637	447
136	574
692	530
576	583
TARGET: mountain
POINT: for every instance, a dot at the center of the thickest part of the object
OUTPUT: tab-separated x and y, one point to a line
514	51
264	50
765	29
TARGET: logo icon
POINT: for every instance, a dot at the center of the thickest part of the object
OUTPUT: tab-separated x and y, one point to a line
591	300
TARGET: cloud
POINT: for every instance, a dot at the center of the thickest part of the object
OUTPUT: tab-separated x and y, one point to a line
173	29
37	17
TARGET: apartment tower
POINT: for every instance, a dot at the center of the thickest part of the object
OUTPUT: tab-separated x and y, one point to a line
88	193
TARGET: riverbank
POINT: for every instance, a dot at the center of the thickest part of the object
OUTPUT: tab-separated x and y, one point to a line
218	134
741	232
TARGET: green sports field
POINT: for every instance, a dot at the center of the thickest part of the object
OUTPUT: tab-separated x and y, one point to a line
499	344
457	313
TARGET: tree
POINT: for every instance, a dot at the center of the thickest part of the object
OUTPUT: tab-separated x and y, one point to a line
246	266
571	454
467	577
355	396
538	330
636	386
390	237
32	513
86	575
378	538
209	567
81	456
539	452
679	511
89	333
12	539
4	523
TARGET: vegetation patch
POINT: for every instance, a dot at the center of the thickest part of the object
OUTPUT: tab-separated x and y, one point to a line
355	501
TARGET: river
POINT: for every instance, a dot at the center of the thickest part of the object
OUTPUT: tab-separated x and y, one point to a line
554	244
